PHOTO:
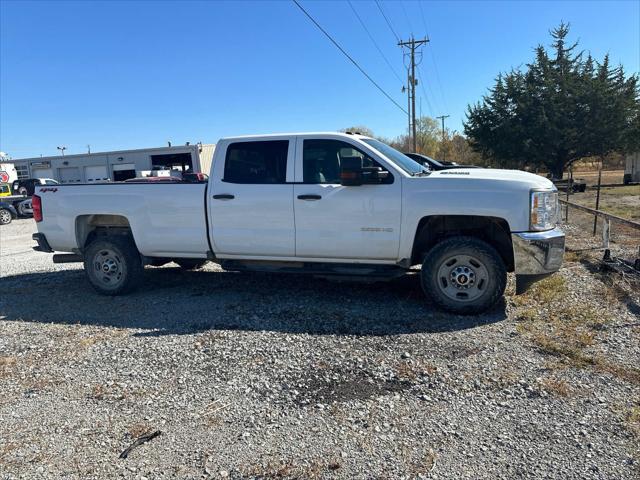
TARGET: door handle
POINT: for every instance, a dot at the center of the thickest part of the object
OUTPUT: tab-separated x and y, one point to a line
224	196
309	197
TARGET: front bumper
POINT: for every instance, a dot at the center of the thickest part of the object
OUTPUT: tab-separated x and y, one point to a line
536	255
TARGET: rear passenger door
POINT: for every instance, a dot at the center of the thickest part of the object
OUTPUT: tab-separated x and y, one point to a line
251	203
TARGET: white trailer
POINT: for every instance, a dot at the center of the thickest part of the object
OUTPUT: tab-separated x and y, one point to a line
632	168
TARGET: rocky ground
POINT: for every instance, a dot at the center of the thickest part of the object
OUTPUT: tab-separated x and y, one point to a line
275	376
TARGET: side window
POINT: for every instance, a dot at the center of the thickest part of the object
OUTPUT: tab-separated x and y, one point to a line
256	162
321	160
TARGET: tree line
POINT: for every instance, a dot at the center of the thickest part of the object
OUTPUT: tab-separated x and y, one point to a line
563	107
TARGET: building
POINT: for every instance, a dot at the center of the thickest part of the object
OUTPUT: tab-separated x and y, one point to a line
116	166
632	168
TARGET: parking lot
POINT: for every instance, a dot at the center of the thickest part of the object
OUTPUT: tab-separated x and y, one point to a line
281	376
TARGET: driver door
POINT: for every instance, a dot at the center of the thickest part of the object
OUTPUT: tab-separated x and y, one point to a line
342	222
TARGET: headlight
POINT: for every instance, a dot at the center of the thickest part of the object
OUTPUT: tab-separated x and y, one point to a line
544	210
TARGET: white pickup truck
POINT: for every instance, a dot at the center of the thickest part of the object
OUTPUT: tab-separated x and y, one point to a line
320	203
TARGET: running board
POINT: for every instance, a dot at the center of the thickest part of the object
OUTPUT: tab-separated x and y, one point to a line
67	258
313	268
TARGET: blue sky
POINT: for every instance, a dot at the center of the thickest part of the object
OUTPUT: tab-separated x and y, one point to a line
136	74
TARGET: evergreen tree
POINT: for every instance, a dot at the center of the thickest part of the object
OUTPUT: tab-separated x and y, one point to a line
561	108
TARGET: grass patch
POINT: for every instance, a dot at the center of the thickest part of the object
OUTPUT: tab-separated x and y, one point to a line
412	370
633	419
138	429
621	201
115	392
572	257
426	464
549	289
545	291
620	191
568	332
6	365
557	387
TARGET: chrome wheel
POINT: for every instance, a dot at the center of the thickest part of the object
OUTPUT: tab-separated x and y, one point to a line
463	278
5	217
108	268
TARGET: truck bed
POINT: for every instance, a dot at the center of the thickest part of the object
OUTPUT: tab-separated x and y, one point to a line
167	219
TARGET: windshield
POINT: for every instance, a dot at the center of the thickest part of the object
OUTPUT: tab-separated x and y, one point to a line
400	159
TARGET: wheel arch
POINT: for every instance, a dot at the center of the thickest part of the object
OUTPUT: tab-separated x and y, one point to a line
493	230
88	227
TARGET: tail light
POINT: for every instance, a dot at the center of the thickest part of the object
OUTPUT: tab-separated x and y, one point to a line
36	205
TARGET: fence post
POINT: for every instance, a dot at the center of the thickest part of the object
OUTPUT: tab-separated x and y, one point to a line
606	232
595	218
569	187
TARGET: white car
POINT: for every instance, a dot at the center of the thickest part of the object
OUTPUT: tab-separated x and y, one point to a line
319	203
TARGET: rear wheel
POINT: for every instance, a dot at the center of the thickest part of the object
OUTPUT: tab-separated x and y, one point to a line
190	263
5	216
113	265
464	275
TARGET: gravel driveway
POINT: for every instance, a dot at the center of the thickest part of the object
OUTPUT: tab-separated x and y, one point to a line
276	376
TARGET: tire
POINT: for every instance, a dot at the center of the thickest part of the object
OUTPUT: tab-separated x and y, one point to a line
113	265
463	275
23	191
190	263
5	216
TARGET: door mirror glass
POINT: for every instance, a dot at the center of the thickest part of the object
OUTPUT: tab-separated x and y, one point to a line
351	171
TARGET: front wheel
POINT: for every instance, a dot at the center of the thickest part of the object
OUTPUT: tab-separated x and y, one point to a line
113	265
464	275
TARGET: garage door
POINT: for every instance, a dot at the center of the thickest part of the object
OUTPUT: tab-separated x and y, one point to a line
69	175
97	173
42	172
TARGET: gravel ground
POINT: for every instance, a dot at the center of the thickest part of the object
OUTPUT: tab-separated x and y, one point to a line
276	376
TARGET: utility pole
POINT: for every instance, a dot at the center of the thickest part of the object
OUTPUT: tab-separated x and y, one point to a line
412	45
62	149
442	117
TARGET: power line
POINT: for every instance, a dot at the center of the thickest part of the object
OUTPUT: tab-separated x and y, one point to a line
433	56
424	92
374	41
388	22
349	56
406	16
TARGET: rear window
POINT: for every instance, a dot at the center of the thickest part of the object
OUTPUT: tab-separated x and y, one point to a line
257	162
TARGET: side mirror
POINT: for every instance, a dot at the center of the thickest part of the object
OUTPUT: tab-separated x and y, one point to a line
351	171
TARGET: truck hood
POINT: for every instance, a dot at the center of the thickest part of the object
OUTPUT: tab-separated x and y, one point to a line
525	179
